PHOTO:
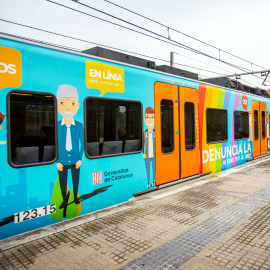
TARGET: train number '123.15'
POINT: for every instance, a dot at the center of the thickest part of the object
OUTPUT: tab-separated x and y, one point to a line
34	213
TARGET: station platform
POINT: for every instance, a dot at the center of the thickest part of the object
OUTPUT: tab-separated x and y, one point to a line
220	221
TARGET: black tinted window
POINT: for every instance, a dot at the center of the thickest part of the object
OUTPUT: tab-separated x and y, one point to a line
32	128
189	126
113	127
241	125
256	125
217	130
263	124
167	126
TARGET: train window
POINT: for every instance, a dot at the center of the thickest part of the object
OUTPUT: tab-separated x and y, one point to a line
167	126
189	125
256	125
263	124
241	125
32	128
217	127
113	127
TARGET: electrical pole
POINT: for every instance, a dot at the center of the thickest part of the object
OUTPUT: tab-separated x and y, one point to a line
172	59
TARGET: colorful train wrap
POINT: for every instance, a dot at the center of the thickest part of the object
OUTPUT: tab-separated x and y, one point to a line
80	133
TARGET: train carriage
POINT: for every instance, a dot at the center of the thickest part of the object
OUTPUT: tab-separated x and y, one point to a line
80	133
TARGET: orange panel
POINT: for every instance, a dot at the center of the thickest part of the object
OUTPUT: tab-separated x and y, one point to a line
167	165
256	142
190	160
263	140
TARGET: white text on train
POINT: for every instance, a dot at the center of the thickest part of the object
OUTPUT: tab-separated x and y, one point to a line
225	152
8	68
105	75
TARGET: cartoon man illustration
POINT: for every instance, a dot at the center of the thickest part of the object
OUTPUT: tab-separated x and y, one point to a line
149	144
70	140
2	118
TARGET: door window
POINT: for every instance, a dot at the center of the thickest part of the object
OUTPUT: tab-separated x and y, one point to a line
189	126
256	125
263	124
167	126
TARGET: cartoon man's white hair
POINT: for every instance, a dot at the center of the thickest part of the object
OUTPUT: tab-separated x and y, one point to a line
67	91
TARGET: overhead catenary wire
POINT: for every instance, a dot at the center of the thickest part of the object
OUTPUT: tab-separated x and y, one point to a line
86	41
119	25
201	61
165	39
65	36
152	32
248	82
182	33
90	42
189	36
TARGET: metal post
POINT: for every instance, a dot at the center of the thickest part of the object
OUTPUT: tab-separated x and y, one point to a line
265	78
172	59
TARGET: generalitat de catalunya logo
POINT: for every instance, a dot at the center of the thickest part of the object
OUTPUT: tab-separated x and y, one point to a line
10	68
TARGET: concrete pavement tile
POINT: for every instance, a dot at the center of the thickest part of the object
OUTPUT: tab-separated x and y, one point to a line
188	224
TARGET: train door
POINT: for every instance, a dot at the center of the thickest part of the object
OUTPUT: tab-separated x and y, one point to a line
263	128
167	133
176	129
189	127
259	128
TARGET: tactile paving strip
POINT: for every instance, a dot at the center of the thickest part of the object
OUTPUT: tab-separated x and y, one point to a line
175	252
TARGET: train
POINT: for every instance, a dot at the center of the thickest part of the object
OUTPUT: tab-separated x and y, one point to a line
83	131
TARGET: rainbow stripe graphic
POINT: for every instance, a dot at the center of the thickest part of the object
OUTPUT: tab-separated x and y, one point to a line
220	156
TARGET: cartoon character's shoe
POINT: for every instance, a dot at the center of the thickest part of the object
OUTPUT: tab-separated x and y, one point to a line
58	200
63	205
74	205
77	201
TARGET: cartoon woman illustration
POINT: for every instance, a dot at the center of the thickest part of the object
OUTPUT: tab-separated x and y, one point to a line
2	118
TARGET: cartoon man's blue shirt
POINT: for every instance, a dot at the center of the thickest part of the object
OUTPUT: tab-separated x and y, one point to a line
77	138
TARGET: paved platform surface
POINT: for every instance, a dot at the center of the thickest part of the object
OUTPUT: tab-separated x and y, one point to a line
219	222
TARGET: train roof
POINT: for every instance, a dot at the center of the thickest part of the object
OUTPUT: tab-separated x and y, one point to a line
129	60
136	61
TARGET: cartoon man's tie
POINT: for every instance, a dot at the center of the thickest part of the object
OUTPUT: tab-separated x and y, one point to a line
68	138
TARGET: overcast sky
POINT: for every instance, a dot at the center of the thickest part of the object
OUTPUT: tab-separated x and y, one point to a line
236	26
